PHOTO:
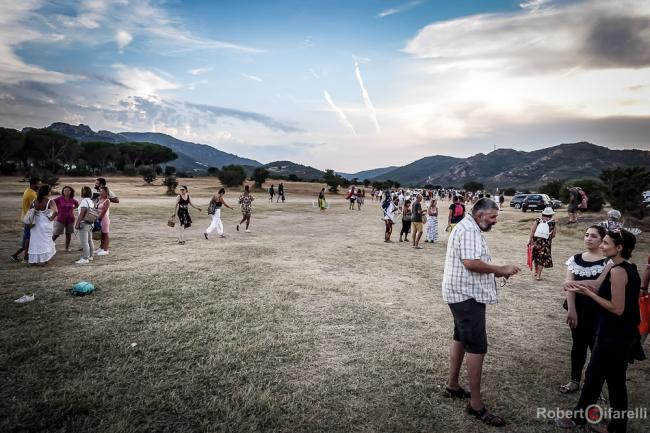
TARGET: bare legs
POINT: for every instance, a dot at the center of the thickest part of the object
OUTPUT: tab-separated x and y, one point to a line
474	364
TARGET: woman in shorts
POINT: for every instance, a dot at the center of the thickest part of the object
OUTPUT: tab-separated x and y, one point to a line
64	223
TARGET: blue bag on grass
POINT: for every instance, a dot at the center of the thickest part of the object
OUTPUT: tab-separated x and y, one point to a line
82	288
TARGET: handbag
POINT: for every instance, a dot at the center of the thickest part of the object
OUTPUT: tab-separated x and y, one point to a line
91	215
529	257
29	218
644	310
424	218
171	222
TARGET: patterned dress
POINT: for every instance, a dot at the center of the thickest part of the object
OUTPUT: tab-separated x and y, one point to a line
184	218
542	248
432	228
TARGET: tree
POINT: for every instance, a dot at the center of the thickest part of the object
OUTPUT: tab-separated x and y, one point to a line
171	183
170	169
551	188
511	191
293	178
366	183
260	174
49	149
429	186
594	188
100	154
397	184
624	188
148	174
473	185
232	175
332	180
11	144
213	171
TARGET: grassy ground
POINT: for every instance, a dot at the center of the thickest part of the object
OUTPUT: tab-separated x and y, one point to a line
309	323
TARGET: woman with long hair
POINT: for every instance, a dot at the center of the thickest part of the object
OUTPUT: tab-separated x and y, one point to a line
66	204
617	339
41	245
181	208
581	310
214	211
406	221
103	206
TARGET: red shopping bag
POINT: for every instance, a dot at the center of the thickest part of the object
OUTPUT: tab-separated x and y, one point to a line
529	257
644	309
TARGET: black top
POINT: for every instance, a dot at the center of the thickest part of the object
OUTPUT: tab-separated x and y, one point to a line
416	213
626	325
182	203
584	270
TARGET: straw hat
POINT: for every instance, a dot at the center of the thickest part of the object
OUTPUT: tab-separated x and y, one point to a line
548	211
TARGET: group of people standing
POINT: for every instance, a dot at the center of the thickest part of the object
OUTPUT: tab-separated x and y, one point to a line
45	219
602	291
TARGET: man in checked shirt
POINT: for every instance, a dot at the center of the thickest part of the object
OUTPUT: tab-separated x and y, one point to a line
468	285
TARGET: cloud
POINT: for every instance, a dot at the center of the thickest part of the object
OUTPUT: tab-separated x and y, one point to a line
398	9
142	81
534	5
200	71
589	35
246	116
341	115
366	99
314	74
123	38
252	77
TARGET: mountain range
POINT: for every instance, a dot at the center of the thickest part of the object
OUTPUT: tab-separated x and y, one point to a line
501	168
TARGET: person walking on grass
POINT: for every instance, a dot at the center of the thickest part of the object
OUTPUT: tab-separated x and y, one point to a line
182	209
280	192
352	196
245	202
41	245
417	221
432	221
540	239
574	201
65	221
617	340
468	284
581	310
456	213
322	204
390	215
214	211
29	195
406	221
361	196
103	206
271	193
85	228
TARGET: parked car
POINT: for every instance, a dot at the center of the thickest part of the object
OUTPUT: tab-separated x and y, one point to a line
517	199
555	203
536	202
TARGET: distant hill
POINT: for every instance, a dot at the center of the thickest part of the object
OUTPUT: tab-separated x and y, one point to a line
417	172
191	156
511	168
367	174
287	168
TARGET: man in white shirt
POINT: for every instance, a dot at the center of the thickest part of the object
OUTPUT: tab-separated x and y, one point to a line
99	182
468	284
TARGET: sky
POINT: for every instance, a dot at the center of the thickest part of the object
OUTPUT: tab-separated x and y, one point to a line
347	85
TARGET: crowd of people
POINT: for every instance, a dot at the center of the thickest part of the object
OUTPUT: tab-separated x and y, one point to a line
602	287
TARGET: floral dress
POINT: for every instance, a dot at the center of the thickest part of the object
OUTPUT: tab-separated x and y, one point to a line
184	218
542	248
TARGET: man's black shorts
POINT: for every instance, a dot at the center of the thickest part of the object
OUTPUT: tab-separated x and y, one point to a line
469	325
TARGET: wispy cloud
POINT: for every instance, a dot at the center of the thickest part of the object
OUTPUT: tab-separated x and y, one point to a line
200	71
262	119
366	98
398	9
341	115
534	5
123	38
252	77
142	81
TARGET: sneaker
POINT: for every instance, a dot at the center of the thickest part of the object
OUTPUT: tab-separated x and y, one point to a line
248	231
82	261
24	299
98	250
102	253
90	259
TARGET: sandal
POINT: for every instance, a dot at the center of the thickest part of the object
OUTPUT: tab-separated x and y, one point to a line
570	387
485	416
565	423
457	393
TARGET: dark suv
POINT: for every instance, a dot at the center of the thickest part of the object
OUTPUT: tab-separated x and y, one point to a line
536	202
517	199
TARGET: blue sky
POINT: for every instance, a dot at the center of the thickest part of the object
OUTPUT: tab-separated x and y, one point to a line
348	85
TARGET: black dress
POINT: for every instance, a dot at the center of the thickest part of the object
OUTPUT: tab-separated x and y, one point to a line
183	212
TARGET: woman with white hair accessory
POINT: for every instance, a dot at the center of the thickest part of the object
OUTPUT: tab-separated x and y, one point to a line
542	233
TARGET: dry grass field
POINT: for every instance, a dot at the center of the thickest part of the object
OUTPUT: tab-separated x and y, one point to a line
310	323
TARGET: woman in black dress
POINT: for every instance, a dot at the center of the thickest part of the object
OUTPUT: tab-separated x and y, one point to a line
183	202
582	311
617	337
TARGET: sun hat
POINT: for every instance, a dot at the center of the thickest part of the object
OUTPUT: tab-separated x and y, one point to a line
614	214
548	211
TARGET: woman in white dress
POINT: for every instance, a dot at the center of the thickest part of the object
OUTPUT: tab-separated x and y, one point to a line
41	245
432	222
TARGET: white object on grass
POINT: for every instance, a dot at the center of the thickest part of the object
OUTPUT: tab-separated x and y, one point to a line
24	299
